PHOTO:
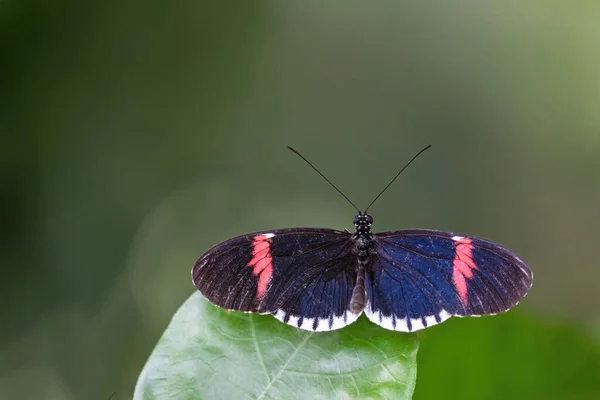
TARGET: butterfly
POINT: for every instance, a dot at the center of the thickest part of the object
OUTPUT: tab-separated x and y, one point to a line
320	279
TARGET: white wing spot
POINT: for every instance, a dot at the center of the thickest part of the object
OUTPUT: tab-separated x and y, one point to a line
416	324
430	320
269	235
444	315
457	238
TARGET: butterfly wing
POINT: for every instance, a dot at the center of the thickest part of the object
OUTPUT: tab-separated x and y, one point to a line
303	276
420	278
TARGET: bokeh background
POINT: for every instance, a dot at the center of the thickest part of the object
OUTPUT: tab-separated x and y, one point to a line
135	135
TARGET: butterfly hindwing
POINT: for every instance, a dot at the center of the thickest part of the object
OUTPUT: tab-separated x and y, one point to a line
303	276
418	278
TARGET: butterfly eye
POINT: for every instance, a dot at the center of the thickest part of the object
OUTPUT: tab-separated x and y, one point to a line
355	222
369	219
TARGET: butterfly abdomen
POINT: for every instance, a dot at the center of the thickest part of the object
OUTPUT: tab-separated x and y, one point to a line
359	299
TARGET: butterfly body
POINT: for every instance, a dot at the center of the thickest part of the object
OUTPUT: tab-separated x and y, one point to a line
323	279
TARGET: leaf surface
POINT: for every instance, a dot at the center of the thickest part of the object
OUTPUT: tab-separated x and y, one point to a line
208	353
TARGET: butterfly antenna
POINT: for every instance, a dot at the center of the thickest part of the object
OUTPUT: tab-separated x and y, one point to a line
324	177
397	175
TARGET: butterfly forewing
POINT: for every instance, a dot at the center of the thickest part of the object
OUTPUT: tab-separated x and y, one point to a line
303	276
418	278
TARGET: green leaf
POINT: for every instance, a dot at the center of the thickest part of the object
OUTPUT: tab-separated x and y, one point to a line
207	352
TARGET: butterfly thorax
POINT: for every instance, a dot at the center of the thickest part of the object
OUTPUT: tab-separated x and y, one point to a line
363	236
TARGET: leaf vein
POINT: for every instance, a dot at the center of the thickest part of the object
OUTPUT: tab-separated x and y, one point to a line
258	351
284	366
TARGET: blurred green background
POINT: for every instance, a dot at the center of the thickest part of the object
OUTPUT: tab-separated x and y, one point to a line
135	135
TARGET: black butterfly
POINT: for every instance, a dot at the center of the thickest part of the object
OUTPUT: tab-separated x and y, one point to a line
323	279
